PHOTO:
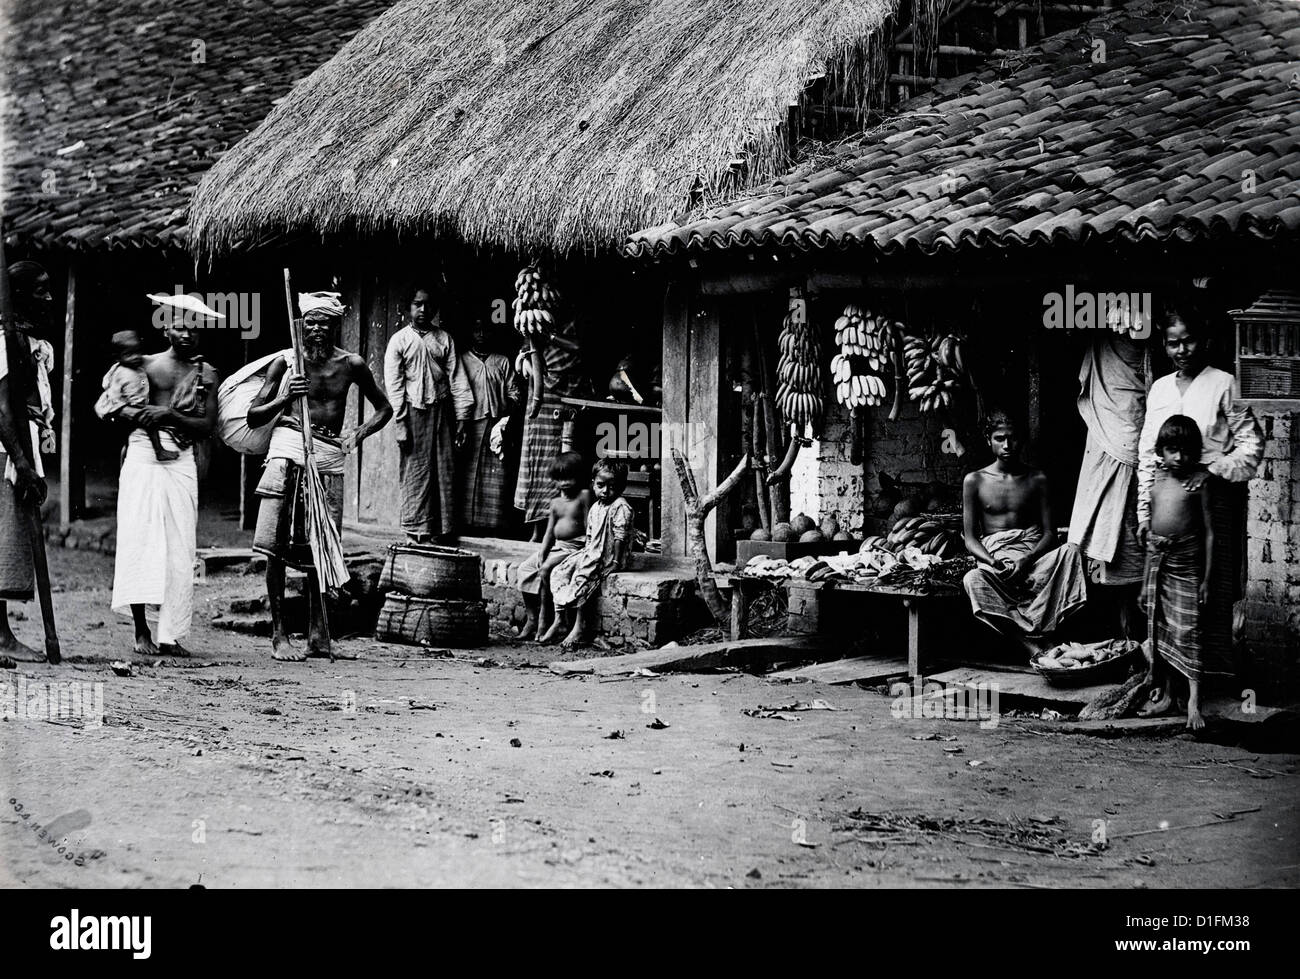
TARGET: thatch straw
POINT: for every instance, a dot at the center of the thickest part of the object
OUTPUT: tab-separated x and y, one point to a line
555	124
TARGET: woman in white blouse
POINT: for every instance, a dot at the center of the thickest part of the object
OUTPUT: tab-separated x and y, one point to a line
1233	446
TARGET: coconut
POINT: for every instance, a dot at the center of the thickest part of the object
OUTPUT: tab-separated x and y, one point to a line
783	532
841	535
760	534
802	524
829	526
908	508
813	536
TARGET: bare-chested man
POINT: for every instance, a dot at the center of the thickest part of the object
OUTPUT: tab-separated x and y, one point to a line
158	499
1025	584
331	372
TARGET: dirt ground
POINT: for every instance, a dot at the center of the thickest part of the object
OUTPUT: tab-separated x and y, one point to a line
408	769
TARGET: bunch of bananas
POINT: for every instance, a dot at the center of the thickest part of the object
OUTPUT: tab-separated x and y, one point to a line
935	368
861	369
536	302
799	391
929	536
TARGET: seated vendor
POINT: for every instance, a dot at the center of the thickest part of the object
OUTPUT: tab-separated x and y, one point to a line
1024	585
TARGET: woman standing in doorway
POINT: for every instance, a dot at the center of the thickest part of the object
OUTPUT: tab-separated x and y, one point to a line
1232	447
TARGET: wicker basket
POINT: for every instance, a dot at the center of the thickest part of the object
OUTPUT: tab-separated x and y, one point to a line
432	621
429	571
1112	670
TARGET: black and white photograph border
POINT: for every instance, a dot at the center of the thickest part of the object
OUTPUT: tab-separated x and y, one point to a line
601	444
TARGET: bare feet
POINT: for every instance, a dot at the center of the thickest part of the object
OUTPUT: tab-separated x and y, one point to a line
13	650
1195	722
1159	703
167	455
174	649
145	646
318	647
7	663
285	651
528	630
552	634
573	640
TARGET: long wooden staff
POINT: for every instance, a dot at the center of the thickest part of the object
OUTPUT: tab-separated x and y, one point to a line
23	424
295	327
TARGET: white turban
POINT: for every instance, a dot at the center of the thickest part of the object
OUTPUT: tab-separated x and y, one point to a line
329	303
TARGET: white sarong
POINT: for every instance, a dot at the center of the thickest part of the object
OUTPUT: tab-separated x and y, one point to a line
157	519
286	443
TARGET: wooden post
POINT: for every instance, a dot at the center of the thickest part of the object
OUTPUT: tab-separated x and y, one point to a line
704	413
72	478
676	389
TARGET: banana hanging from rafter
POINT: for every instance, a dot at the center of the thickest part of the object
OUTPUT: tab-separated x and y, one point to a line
536	302
863	370
936	367
799	382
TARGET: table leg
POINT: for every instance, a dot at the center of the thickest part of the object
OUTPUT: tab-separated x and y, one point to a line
738	609
913	637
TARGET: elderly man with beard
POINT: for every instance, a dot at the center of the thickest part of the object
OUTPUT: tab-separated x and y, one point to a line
24	400
280	533
157	499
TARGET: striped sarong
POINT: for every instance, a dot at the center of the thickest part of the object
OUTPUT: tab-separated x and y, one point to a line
425	469
542	438
1036	606
484	480
1173	576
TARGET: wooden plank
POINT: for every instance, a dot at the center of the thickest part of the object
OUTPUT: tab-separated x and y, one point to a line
384	301
743	653
705	411
676	385
1020	685
72	479
858	669
351	337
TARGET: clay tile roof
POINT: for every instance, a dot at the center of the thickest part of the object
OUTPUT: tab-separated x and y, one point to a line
1195	99
114	110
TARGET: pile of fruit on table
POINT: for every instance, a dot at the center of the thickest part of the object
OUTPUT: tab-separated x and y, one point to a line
803	529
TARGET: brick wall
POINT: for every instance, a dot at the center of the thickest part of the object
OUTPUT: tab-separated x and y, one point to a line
1271	605
908	448
634	605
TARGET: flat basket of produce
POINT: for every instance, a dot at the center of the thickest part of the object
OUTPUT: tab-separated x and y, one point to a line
1079	665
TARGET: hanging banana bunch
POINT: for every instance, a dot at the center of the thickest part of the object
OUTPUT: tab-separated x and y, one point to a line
935	369
862	369
536	302
798	371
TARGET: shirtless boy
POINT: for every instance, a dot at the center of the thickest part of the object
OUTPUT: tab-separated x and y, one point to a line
566	533
1180	549
1025	584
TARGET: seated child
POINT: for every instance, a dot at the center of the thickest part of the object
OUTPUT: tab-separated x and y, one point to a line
1180	545
566	529
127	385
575	581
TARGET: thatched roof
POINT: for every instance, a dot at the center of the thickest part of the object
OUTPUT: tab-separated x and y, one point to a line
529	124
113	110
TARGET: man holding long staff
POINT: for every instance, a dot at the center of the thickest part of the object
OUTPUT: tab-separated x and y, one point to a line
26	430
301	512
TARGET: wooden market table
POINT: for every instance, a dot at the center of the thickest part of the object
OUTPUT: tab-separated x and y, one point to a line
923	606
743	589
